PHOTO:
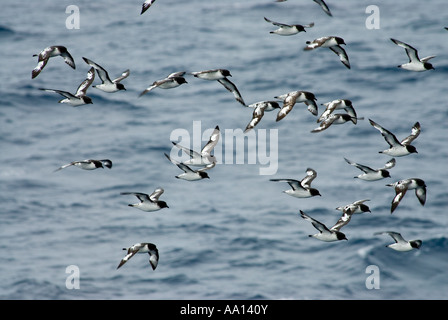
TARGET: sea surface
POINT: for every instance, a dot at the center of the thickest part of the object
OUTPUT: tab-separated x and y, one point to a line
235	235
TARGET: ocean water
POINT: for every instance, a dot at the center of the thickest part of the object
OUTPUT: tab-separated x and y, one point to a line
236	235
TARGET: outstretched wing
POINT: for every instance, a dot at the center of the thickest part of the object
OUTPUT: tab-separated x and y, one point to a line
311	174
156	194
82	89
415	132
212	142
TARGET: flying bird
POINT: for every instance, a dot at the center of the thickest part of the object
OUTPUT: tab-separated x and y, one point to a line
259	110
398	148
328	234
48	53
220	75
288	29
414	63
373	174
301	189
189	174
203	158
402	186
148	203
80	97
334	44
88	164
339	104
291	98
355	207
171	81
144	247
400	243
335	118
107	84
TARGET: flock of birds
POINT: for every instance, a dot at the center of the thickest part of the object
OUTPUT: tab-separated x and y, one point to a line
284	104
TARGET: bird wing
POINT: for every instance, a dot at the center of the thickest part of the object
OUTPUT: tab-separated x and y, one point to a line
277	23
191	153
388	136
257	115
106	162
343	220
410	51
294	184
311	174
212	142
395	235
415	132
156	194
390	164
141	196
102	73
62	93
324	7
68	59
230	86
181	166
146	5
124	75
316	224
342	55
364	168
82	89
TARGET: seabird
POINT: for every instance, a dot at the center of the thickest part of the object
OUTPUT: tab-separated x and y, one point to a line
189	174
288	29
334	44
48	53
291	98
107	84
402	186
88	164
326	234
301	189
373	174
148	203
171	81
397	148
400	243
79	98
415	63
144	247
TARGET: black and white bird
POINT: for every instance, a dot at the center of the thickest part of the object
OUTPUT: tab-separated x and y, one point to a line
49	52
173	80
335	118
373	174
212	74
80	97
402	186
328	234
291	98
334	44
107	84
400	243
259	109
339	104
288	29
89	164
398	148
189	174
143	247
355	207
221	75
414	63
146	5
301	189
148	203
205	157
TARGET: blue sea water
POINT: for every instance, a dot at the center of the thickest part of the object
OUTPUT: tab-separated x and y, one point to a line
236	235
